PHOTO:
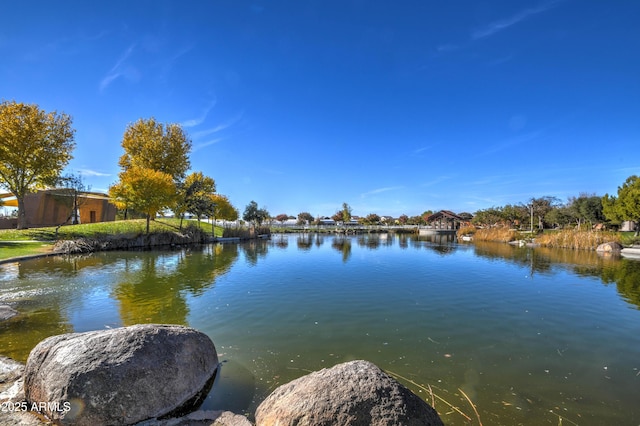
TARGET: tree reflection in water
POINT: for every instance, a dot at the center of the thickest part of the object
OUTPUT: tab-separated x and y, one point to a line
152	289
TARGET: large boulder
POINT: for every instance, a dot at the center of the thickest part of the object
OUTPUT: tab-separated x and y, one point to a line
353	393
121	376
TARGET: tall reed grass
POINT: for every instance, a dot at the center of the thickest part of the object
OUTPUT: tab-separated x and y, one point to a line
583	240
503	235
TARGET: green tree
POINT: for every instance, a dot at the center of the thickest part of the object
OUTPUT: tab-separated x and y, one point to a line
254	214
560	216
346	213
539	207
152	145
145	190
198	190
586	208
626	205
35	146
371	219
513	214
488	217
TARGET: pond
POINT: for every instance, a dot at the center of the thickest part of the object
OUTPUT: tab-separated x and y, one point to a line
523	336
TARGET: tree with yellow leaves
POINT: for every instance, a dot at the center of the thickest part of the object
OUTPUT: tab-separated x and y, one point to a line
35	146
220	208
145	190
152	145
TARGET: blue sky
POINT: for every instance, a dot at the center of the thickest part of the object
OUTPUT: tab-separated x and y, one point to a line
392	107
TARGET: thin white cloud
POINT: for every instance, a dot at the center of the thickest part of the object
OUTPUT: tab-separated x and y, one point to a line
380	190
218	128
501	25
117	70
203	116
512	142
420	150
89	172
437	180
201	145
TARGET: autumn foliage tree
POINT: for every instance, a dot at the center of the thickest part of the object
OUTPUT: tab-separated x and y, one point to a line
305	218
152	145
145	190
154	164
282	218
223	208
35	146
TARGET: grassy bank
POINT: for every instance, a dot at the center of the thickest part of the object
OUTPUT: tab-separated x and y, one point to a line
9	249
26	242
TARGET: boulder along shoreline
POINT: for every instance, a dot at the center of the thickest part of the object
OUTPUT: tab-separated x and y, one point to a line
159	375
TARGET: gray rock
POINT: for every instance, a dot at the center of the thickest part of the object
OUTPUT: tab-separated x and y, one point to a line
7	312
11	389
22	418
611	247
353	393
121	376
202	418
15	410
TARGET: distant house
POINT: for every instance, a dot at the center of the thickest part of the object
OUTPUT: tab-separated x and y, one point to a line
444	219
53	207
628	225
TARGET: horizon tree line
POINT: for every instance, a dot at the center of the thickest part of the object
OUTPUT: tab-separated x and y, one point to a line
35	147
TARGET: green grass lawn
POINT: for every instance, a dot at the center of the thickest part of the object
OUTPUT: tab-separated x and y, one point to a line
16	249
25	242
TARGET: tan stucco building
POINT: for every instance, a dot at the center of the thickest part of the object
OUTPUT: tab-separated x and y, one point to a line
53	207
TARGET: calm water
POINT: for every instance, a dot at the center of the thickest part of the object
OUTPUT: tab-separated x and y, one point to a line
530	336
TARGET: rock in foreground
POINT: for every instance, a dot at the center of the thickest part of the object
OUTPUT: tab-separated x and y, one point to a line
121	376
353	393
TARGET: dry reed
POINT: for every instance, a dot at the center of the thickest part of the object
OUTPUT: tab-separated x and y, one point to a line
503	235
571	239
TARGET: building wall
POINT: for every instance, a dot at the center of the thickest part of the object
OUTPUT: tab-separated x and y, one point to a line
8	223
46	208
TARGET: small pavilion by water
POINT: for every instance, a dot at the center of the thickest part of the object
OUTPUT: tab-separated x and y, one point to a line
444	221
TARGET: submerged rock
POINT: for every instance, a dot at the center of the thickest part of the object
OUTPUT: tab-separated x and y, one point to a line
7	312
121	376
353	393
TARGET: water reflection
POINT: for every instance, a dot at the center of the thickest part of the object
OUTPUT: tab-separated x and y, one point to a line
508	325
152	289
254	250
342	244
626	275
56	295
305	241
